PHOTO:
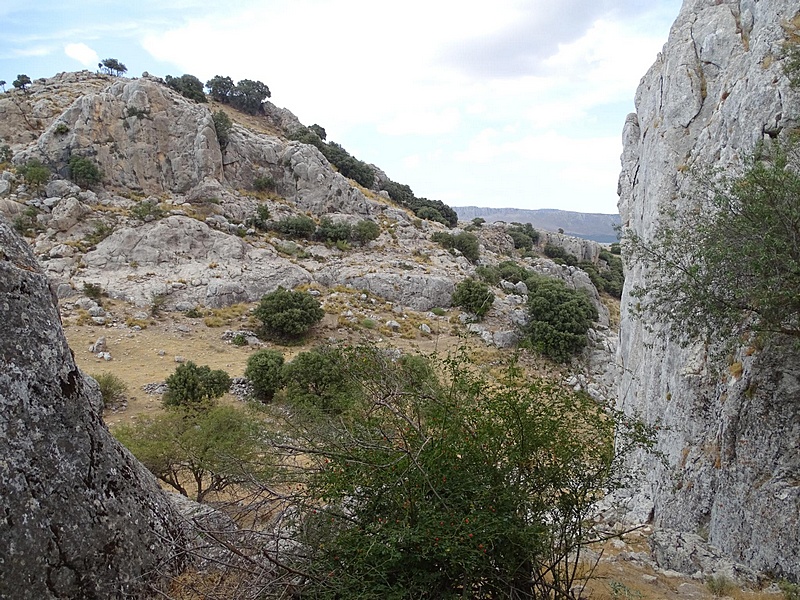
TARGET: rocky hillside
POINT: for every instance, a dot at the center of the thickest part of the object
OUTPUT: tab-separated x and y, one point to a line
731	475
591	226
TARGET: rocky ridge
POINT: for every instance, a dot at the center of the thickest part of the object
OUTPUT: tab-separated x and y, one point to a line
729	440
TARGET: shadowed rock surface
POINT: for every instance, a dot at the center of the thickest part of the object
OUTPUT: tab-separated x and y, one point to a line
79	517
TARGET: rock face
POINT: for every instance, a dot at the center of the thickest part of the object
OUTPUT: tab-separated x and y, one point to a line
79	517
732	472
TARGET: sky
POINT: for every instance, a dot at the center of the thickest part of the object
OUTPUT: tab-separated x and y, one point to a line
509	103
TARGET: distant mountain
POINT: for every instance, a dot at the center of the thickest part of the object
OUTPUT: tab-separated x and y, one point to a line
590	226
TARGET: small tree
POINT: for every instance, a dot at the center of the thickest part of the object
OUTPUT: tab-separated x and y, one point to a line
208	451
288	314
34	173
299	226
112	66
3	85
265	372
248	95
365	231
328	231
187	86
21	82
317	381
220	88
558	318
83	171
193	387
223	126
474	296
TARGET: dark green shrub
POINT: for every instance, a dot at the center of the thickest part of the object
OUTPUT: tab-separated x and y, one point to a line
559	255
187	86
93	291
223	126
467	244
147	211
558	318
220	88
34	173
299	226
265	372
265	183
328	231
318	382
288	314
365	231
488	273
61	129
524	235
83	171
260	220
431	214
193	387
513	272
474	296
239	340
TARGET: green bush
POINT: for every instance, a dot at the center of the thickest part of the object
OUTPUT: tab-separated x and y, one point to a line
454	489
202	452
112	388
260	220
187	86
513	272
317	382
558	318
488	273
559	255
223	126
193	387
474	296
288	314
146	210
299	227
524	235
365	231
265	372
34	173
265	183
464	242
83	171
328	231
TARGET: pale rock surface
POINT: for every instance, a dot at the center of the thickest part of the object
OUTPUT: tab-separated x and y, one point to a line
732	466
80	517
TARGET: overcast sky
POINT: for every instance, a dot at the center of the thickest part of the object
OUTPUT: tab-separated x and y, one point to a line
509	103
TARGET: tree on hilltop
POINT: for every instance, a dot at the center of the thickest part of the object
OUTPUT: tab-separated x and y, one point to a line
248	95
187	86
220	88
22	82
112	66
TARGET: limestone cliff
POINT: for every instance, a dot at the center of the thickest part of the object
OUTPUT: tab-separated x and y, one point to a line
79	517
732	472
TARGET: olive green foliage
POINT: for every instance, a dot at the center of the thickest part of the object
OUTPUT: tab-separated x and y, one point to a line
112	388
198	453
265	372
791	591
34	173
524	235
730	264
93	291
607	276
558	318
474	296
463	487
288	314
187	86
83	171
260	219
317	382
434	210
27	223
193	387
147	210
365	231
21	82
112	66
61	129
508	270
465	242
299	227
223	126
559	255
247	95
264	183
328	231
5	154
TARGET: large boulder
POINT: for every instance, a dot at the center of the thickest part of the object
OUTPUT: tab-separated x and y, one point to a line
79	516
731	468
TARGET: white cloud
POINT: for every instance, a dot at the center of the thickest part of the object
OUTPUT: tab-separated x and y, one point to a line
82	53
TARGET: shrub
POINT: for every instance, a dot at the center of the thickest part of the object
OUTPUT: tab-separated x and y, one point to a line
259	220
223	126
263	184
5	154
299	226
454	489
488	273
193	387
147	211
288	314
328	231
265	372
83	171
513	272
61	129
365	231
317	382
474	296
465	242
559	255
112	388
187	86
524	235
93	291
558	318
34	173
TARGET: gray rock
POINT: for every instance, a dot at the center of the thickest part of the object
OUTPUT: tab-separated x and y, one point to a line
99	346
393	325
424	328
61	188
5	187
730	445
81	518
68	213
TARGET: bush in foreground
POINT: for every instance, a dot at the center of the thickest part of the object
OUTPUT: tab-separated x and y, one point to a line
288	314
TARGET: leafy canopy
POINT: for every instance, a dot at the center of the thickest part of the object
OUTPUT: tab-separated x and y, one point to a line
193	387
730	263
474	296
465	486
288	314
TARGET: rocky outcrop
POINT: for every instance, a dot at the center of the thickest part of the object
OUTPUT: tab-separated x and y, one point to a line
729	440
79	517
